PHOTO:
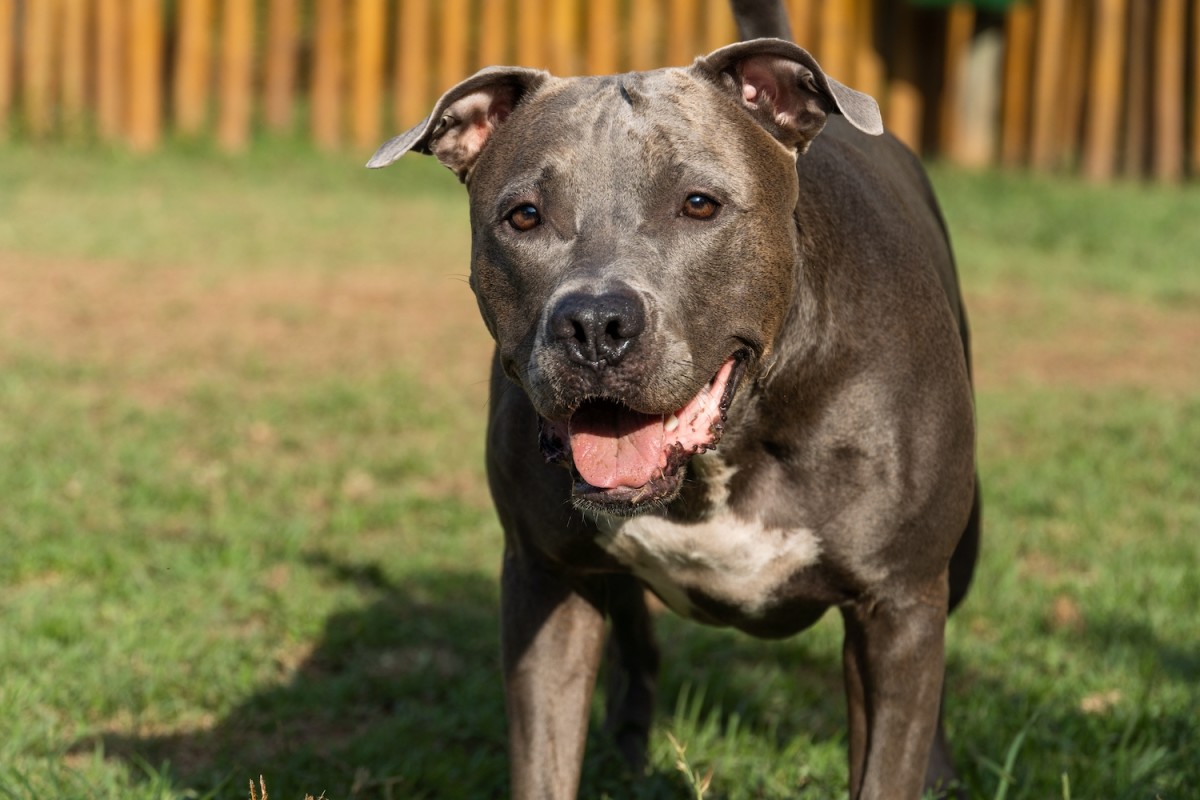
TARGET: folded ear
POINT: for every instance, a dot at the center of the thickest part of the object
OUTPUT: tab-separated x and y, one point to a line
786	90
463	120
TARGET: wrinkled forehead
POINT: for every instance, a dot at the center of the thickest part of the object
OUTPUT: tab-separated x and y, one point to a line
623	132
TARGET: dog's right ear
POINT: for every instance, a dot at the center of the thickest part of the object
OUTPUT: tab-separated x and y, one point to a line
463	120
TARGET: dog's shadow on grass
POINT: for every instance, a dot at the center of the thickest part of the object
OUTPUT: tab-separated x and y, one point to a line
403	698
395	699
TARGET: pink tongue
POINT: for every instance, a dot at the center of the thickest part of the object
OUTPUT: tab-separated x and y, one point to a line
613	446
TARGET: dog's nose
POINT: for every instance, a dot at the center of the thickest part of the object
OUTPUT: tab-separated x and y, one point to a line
597	329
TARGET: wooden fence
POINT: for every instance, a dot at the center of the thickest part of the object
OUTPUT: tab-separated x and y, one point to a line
1109	87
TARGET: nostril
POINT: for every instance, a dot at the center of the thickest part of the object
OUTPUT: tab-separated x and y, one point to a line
595	329
625	323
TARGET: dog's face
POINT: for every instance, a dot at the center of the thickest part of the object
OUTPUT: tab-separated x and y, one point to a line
630	265
633	249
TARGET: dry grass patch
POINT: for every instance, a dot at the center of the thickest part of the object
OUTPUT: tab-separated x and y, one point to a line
165	330
1084	341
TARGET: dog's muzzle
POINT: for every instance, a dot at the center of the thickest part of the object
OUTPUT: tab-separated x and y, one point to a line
624	460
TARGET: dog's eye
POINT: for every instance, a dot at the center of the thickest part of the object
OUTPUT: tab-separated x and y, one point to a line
524	217
700	206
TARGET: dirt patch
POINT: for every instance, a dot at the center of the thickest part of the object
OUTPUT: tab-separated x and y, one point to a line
162	330
1085	341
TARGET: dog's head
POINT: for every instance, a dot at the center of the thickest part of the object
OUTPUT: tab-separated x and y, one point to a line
634	250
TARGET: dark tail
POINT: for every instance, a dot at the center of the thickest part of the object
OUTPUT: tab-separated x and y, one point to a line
758	19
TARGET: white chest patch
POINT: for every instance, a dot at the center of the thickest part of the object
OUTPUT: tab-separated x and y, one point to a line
734	560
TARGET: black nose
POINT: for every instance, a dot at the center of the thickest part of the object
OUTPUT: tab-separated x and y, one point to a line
597	329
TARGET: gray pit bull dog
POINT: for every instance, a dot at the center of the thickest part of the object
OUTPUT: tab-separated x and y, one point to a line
734	253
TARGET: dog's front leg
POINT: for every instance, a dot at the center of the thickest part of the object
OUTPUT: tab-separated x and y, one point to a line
552	641
894	665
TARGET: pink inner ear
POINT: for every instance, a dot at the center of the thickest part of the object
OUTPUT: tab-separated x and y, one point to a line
760	78
474	111
474	136
478	115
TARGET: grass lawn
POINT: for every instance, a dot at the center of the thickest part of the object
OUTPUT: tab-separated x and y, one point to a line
243	527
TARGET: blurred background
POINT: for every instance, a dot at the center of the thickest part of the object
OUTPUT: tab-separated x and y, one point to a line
1103	86
244	529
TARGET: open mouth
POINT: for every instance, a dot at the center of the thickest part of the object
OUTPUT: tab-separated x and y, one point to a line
624	460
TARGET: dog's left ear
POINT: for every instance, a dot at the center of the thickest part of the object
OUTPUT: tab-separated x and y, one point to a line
786	90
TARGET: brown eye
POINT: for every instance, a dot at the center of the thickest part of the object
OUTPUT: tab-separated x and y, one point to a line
699	206
524	217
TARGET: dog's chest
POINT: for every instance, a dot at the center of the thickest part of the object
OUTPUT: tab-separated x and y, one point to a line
734	561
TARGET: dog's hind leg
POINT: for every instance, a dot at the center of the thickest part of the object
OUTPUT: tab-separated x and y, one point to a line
941	778
632	664
892	661
966	553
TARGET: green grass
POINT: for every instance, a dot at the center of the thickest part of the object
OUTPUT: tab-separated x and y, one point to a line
230	557
1057	236
279	207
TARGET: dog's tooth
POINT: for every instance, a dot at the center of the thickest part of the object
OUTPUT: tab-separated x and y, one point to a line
671	423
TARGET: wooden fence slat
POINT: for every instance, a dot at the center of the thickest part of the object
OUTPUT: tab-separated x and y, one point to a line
144	74
1195	88
367	83
1138	91
237	74
279	68
960	24
1018	74
8	23
1169	95
412	89
73	91
905	106
979	101
563	38
1048	82
836	36
193	61
1105	90
326	91
868	64
1074	81
802	15
602	37
645	22
681	44
494	33
531	34
719	26
37	69
110	84
454	43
